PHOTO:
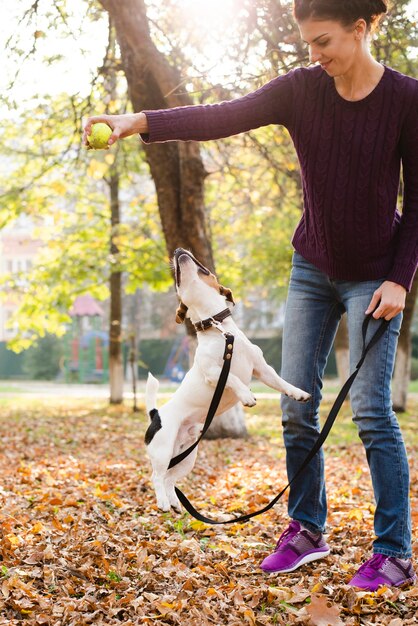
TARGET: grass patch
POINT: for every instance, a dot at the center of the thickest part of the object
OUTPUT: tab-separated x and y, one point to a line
265	420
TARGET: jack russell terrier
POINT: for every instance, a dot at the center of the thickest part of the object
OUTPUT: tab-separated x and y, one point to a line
178	423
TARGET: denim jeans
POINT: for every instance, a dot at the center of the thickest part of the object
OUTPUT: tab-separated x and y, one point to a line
314	307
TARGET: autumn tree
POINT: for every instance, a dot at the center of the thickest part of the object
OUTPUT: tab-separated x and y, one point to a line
54	176
176	168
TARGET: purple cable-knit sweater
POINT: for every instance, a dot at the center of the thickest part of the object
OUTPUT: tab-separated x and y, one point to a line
350	155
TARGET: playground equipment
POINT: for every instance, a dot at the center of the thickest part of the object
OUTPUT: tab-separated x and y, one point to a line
86	344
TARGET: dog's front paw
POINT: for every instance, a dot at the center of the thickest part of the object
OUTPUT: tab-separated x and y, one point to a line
248	398
298	394
304	397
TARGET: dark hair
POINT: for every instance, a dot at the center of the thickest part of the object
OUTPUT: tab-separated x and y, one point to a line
344	11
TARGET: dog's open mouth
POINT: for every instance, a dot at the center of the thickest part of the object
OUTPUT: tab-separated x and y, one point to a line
180	256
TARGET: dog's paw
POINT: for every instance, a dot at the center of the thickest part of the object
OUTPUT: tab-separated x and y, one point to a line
248	399
304	397
299	395
175	503
163	504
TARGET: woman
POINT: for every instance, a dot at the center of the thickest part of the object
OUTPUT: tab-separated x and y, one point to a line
353	122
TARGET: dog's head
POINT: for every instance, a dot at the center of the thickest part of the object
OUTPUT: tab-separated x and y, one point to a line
198	289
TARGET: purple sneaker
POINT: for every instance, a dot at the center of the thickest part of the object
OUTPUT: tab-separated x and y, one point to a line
295	547
383	570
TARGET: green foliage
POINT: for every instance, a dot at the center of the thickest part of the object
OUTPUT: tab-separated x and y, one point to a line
68	200
10	363
396	42
255	205
153	354
42	361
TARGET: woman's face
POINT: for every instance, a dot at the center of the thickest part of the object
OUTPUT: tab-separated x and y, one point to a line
334	46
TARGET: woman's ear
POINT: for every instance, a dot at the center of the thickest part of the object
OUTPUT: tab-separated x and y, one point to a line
181	313
360	29
224	291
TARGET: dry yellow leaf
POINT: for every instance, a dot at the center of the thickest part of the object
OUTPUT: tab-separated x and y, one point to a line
37	528
14	540
356	514
250	617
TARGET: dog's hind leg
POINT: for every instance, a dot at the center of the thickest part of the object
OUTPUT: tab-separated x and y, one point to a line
158	480
160	453
175	474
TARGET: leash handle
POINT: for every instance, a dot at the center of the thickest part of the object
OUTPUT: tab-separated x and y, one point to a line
217	395
317	445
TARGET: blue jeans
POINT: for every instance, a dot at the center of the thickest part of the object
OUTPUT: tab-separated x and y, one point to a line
314	307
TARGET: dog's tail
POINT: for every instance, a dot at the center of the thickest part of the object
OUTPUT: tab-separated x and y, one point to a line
151	390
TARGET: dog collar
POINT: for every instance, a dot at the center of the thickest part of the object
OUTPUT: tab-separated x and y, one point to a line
211	321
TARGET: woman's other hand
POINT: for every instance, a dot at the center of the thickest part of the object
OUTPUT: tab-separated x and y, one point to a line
391	300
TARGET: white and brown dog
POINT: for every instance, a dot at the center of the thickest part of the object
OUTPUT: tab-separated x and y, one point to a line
178	423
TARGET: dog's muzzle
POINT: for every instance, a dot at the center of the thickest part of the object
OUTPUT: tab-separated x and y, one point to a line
178	253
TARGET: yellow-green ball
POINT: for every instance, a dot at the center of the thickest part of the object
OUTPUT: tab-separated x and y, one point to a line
99	136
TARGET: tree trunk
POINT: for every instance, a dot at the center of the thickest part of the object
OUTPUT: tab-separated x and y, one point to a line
402	374
176	167
132	302
229	424
115	329
342	353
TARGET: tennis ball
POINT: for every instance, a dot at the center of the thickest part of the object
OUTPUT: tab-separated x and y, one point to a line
99	136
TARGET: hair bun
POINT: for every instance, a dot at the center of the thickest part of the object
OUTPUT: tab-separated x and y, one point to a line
378	7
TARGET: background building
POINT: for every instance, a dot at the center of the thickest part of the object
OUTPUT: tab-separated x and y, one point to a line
18	249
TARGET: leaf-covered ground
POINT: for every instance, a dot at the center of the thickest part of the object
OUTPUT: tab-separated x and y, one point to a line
82	542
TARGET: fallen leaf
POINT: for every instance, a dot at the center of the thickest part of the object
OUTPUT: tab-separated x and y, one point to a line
250	617
356	514
35	557
37	528
323	612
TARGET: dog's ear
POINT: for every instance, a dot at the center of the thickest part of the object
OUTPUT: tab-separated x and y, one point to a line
181	313
224	291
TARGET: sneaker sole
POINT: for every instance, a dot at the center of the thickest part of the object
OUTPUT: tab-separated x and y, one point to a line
306	559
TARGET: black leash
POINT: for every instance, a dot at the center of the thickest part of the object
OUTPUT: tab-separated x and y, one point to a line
219	389
316	447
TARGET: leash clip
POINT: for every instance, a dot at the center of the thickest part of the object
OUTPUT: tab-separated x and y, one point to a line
219	327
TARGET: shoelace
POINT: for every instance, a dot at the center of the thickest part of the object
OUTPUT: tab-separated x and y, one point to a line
374	563
287	532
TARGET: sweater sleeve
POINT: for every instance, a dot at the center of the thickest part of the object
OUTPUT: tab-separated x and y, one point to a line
271	104
406	259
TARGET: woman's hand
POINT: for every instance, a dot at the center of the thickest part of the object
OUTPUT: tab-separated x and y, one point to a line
392	300
121	125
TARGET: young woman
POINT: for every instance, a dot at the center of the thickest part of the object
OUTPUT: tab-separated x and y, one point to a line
353	122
